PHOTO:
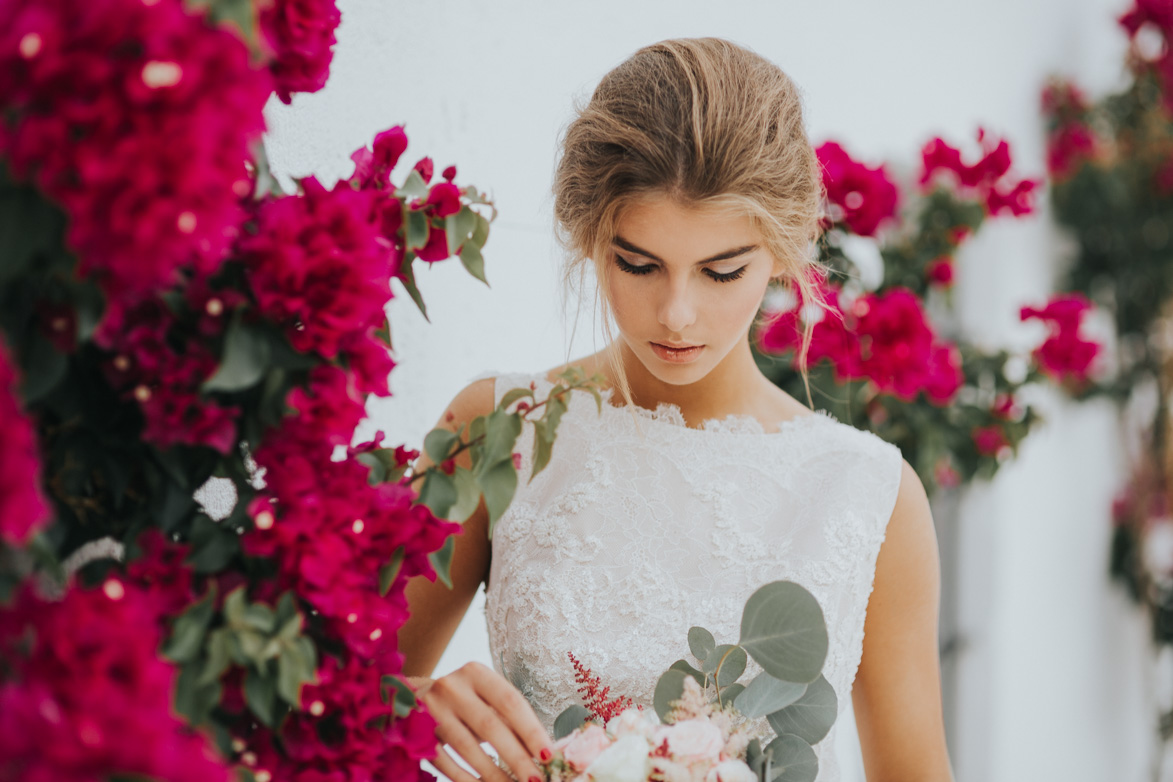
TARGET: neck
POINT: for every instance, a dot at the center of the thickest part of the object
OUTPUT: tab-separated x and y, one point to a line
734	386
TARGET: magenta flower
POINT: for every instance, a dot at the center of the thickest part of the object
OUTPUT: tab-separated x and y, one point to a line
24	511
986	180
1068	147
85	694
1064	355
865	196
137	118
373	168
320	266
990	440
301	34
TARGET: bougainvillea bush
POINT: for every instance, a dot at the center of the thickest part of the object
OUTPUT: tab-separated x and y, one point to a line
168	316
876	358
1111	163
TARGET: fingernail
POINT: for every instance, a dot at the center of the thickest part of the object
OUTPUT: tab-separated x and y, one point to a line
545	754
535	778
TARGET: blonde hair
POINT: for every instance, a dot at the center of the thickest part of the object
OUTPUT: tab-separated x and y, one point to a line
707	123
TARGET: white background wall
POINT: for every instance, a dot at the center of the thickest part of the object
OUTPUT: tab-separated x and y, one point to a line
1054	680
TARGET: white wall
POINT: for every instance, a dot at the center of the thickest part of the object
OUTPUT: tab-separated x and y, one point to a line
1052	682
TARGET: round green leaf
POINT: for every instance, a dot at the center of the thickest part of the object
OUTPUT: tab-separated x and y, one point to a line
668	689
571	718
784	631
701	643
811	716
792	760
246	357
682	665
731	667
766	694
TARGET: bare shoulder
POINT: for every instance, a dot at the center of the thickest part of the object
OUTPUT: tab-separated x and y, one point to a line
475	399
590	365
908	574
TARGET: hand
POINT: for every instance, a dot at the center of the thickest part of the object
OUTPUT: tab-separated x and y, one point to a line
473	704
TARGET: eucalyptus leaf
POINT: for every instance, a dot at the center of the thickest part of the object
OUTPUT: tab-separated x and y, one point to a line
730	692
766	694
811	716
682	665
791	760
701	643
784	631
714	659
732	667
669	688
569	720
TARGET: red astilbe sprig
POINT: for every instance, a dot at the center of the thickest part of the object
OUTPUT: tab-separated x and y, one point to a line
594	694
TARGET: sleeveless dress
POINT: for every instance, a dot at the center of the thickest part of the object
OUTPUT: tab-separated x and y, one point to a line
621	544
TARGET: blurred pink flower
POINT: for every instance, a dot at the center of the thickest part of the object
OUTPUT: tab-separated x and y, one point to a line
866	196
24	510
986	180
301	34
1064	355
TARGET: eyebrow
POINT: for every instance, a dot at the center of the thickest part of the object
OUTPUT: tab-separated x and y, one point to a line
631	248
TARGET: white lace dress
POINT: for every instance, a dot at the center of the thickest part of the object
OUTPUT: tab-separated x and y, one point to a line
621	544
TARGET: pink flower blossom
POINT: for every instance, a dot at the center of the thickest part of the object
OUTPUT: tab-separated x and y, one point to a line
91	697
319	265
986	180
1068	147
940	271
1064	355
865	196
372	167
301	33
445	198
990	440
24	510
581	747
137	119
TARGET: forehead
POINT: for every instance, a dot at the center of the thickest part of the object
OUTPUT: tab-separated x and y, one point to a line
673	230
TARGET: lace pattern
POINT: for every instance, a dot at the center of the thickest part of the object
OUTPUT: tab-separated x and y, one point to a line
621	544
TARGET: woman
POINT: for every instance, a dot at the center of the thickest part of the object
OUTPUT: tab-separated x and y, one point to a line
688	184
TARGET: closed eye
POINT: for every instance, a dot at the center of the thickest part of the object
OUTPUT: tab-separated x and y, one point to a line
651	267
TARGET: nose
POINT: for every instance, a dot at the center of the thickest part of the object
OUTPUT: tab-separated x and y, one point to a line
677	311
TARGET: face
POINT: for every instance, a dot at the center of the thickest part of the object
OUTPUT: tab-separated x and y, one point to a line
683	276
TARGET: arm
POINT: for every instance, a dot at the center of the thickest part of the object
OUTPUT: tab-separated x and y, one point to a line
474	703
897	691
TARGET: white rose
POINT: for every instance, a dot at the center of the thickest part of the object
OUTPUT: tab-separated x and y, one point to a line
632	720
624	761
731	771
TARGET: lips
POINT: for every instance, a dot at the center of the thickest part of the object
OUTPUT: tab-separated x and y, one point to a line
681	355
671	346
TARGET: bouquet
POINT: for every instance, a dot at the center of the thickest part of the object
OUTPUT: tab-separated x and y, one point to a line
699	729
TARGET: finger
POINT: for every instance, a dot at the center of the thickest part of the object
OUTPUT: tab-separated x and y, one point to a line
489	725
499	693
468	747
445	764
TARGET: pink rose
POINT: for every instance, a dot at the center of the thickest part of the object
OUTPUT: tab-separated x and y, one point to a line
694	739
584	746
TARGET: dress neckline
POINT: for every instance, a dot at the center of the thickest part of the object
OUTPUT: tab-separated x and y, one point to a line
669	414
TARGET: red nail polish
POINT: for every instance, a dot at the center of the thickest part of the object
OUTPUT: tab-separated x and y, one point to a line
535	778
545	754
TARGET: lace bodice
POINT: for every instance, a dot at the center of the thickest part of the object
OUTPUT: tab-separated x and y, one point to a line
621	544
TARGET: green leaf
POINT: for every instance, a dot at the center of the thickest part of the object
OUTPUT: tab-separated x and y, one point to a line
404	698
543	448
438	492
791	760
766	694
417	229
468	495
811	716
287	610
732	667
44	367
187	635
407	278
253	645
683	666
413	187
511	396
480	234
388	572
730	692
701	643
215	554
193	701
669	688
246	358
438	443
716	656
234	604
289	676
259	693
571	718
442	560
783	629
260	617
501	432
459	227
218	657
471	259
498	486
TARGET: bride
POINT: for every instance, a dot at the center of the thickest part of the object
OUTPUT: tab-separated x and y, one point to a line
686	184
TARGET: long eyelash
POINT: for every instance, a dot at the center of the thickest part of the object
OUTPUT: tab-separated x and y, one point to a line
648	269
